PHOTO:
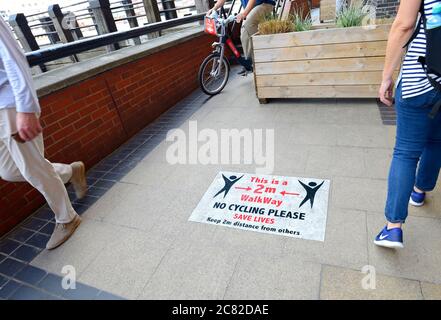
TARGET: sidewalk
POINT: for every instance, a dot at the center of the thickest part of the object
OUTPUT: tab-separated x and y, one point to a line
136	242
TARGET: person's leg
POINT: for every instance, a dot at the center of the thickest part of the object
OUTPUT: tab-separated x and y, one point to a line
413	128
8	170
40	173
250	26
74	172
25	161
430	162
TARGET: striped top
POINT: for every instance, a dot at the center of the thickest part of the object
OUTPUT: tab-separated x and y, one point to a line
413	77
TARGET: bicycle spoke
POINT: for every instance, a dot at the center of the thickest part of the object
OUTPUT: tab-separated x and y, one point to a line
214	74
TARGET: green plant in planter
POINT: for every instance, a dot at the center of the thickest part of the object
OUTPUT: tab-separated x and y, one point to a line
301	23
352	15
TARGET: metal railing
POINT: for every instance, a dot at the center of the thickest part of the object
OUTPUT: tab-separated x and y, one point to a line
57	52
84	19
110	23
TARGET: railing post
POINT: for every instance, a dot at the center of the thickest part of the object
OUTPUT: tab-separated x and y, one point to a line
61	26
203	5
169	4
21	28
20	25
104	19
153	15
50	29
73	26
93	20
130	12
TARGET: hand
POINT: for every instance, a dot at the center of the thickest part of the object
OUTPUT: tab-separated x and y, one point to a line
209	12
28	126
241	16
386	91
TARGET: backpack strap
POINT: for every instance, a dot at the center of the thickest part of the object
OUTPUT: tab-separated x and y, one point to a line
434	84
417	28
435	110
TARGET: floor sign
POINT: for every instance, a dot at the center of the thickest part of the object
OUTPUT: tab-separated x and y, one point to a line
287	206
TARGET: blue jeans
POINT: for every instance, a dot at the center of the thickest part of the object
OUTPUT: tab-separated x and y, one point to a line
418	138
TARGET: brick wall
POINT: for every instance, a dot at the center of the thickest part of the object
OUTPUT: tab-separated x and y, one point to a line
387	8
92	118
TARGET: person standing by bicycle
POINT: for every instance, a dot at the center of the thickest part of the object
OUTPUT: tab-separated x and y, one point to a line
252	15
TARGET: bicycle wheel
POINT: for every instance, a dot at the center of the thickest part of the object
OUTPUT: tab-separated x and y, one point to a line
213	74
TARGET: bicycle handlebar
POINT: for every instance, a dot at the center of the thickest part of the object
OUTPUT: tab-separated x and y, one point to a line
215	16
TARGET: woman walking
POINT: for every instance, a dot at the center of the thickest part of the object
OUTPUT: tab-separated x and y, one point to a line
418	136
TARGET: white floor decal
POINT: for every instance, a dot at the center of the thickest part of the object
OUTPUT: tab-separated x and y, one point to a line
288	206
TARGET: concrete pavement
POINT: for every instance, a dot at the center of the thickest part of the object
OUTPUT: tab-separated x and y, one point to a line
135	240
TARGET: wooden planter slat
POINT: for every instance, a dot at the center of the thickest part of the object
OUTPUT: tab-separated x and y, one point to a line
319	79
330	63
322	36
322	65
355	91
326	51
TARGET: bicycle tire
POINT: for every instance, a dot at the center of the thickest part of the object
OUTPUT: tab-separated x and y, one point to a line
202	71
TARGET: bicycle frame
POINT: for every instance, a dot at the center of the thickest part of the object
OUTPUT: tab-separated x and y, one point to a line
225	39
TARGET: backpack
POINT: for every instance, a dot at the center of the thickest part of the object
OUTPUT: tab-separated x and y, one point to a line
432	61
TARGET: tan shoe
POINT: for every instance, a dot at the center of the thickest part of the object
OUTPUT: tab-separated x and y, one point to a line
78	179
62	232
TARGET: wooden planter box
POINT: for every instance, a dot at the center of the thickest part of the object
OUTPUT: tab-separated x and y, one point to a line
325	63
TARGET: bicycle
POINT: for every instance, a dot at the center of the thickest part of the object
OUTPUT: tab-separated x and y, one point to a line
215	69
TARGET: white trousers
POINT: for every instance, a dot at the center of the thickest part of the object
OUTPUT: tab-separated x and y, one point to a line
250	26
26	162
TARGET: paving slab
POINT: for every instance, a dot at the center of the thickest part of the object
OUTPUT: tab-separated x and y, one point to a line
292	162
238	92
309	134
340	247
319	112
359	193
431	291
377	162
83	247
271	276
362	112
359	135
131	206
336	161
346	284
128	261
149	173
421	257
192	271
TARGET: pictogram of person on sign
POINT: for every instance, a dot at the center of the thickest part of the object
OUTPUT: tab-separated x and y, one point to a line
311	189
229	182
